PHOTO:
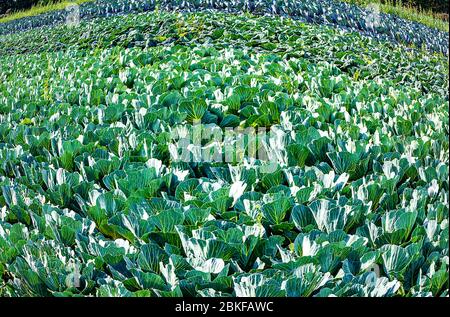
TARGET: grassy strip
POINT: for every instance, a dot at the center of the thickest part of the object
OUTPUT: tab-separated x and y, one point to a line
39	9
407	12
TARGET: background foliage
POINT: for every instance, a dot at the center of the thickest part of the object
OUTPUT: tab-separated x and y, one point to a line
440	6
437	6
15	5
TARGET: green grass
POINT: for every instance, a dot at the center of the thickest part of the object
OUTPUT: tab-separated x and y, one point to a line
407	12
39	9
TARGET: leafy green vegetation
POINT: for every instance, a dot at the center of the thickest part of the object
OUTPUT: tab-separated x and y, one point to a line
100	195
394	7
339	14
357	55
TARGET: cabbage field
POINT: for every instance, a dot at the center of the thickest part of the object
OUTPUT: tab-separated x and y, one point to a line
128	147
